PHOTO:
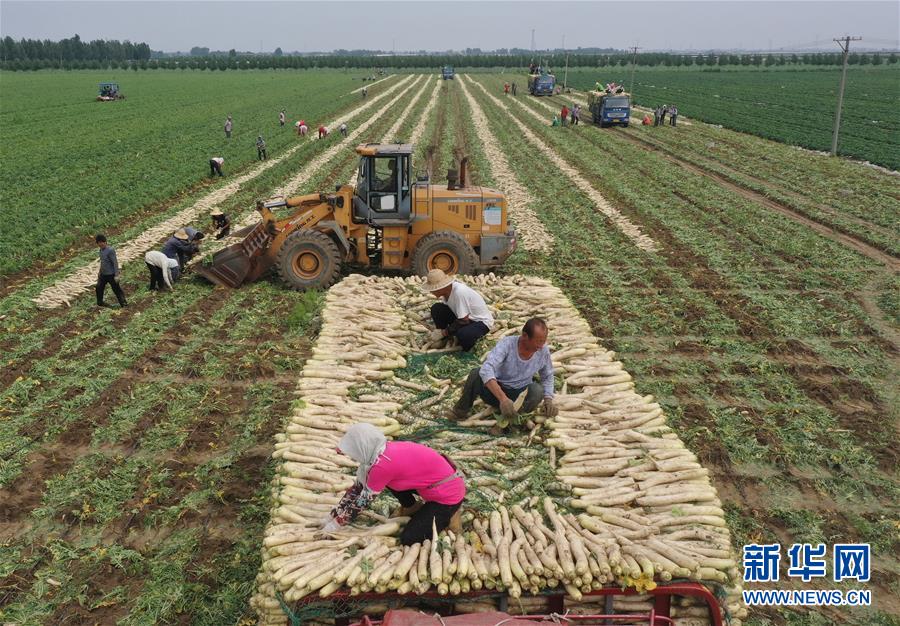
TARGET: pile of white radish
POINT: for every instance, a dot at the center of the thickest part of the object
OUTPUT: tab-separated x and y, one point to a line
629	506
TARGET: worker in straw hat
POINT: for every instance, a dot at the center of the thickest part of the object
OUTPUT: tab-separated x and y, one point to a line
180	247
461	312
508	372
221	223
406	469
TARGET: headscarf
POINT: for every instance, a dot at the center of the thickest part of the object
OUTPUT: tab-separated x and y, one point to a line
363	443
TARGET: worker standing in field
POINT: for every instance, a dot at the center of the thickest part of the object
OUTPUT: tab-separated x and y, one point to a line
513	88
163	270
509	371
656	116
406	469
281	118
228	126
261	149
461	312
221	223
662	114
564	115
343	129
673	114
215	166
109	272
505	89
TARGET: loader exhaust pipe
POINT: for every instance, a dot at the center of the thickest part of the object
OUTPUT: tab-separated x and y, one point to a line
463	173
452	179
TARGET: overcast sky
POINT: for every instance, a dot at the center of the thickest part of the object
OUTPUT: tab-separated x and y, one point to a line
309	26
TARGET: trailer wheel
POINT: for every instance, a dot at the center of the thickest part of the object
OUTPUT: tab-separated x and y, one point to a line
308	259
447	251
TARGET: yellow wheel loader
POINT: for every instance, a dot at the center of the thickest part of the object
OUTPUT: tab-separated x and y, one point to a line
387	221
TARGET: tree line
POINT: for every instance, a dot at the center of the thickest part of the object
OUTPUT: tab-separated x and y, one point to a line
73	49
73	53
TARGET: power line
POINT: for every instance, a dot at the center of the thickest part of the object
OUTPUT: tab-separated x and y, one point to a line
844	43
634	50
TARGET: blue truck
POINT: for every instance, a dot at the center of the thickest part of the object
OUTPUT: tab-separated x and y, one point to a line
447	73
541	84
608	109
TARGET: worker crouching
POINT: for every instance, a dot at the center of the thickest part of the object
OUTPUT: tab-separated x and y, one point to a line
508	372
405	469
461	312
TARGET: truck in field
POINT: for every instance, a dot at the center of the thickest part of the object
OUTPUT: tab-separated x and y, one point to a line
608	108
447	73
541	84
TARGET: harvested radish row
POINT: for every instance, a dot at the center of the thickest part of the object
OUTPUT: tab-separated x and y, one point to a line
603	494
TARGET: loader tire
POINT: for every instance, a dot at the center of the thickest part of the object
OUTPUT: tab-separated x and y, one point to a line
308	259
446	251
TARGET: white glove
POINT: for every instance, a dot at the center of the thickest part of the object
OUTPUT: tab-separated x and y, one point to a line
436	334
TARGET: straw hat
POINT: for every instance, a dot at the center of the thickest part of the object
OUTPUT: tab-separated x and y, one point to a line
216	212
436	280
181	234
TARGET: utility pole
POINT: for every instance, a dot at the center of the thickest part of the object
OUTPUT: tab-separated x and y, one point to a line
634	50
566	75
844	43
532	41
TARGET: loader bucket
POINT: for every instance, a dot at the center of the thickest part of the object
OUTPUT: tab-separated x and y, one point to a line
229	267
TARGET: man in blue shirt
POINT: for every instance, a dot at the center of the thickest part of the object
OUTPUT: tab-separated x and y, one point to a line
509	371
109	272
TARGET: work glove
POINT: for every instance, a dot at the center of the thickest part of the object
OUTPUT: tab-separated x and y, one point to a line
331	525
550	408
436	334
508	409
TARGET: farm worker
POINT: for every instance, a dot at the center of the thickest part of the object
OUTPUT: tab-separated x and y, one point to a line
513	87
555	121
109	272
323	132
505	89
405	469
509	371
564	115
281	117
302	128
574	115
179	247
365	92
646	121
163	270
673	114
194	235
215	166
461	312
656	116
260	148
343	129
662	113
228	127
221	223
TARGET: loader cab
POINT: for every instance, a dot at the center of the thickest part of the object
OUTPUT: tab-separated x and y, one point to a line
383	188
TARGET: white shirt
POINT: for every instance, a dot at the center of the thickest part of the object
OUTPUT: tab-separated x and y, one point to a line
218	160
466	302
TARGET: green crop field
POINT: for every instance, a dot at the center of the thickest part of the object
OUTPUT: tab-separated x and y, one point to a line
135	443
795	106
71	166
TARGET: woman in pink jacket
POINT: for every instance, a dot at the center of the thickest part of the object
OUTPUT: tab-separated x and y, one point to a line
406	469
